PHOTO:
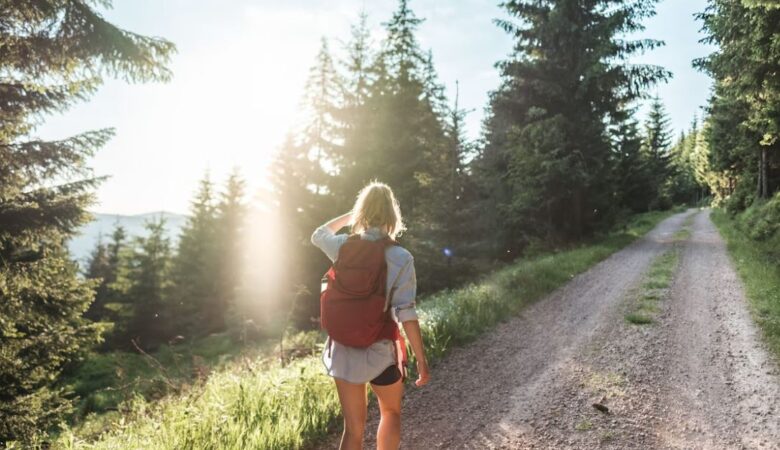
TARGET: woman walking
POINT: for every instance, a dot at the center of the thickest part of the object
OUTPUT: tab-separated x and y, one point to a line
371	348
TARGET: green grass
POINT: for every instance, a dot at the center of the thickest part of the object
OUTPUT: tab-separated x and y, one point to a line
584	425
260	407
247	407
758	264
105	381
606	436
685	232
639	319
655	283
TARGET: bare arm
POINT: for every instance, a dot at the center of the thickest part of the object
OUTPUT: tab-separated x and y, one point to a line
412	331
339	222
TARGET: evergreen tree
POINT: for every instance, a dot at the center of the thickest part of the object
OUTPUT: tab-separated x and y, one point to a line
399	137
683	187
117	307
656	145
356	84
358	66
633	175
292	280
744	116
322	132
231	214
396	126
303	182
98	269
456	208
195	267
546	135
52	54
433	90
401	51
149	278
106	263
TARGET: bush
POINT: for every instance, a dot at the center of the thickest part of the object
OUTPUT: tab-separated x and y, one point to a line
761	222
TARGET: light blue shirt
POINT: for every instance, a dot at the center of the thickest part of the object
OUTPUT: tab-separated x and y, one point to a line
360	365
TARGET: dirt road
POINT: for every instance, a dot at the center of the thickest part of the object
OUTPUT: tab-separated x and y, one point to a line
699	377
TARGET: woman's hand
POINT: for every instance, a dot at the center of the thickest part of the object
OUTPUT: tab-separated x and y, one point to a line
422	373
412	330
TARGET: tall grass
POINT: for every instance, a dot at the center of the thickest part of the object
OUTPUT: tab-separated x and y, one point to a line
284	408
756	261
240	409
104	381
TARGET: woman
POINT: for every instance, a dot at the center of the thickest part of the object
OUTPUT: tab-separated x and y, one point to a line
376	215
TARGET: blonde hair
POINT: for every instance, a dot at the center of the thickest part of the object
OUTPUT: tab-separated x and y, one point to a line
376	206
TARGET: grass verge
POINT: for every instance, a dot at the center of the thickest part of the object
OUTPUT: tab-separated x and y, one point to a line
105	381
656	282
654	287
280	408
758	267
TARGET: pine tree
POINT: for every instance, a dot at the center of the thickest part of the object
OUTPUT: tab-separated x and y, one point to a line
290	282
107	262
456	207
359	69
98	269
149	279
303	184
322	131
195	267
683	187
357	64
400	137
401	51
231	214
397	136
546	136
117	306
656	145
744	115
52	55
634	182
433	90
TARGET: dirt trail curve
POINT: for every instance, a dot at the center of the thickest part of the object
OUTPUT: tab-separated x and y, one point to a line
698	378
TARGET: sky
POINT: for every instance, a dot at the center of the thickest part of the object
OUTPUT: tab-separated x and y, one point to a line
240	69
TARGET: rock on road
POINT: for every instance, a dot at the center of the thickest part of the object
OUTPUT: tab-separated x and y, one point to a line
698	378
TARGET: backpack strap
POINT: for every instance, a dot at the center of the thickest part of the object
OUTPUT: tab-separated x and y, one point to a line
387	240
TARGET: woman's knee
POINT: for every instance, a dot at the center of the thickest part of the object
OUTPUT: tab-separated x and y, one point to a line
355	426
391	413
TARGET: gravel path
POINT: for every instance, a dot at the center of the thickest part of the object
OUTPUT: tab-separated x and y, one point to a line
697	378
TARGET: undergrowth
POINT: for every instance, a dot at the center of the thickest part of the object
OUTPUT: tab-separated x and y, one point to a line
252	406
753	240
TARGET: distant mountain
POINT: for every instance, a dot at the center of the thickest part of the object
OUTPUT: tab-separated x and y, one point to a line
83	243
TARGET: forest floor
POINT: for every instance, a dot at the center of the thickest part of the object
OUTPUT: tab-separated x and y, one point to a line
572	372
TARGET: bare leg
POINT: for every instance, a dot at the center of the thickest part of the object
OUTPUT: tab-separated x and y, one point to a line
388	436
353	407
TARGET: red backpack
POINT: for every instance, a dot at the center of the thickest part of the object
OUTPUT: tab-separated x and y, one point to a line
352	305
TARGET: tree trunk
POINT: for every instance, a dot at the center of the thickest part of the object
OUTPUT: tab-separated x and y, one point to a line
758	181
764	173
577	214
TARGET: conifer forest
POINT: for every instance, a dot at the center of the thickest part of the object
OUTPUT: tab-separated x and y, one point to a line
212	340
